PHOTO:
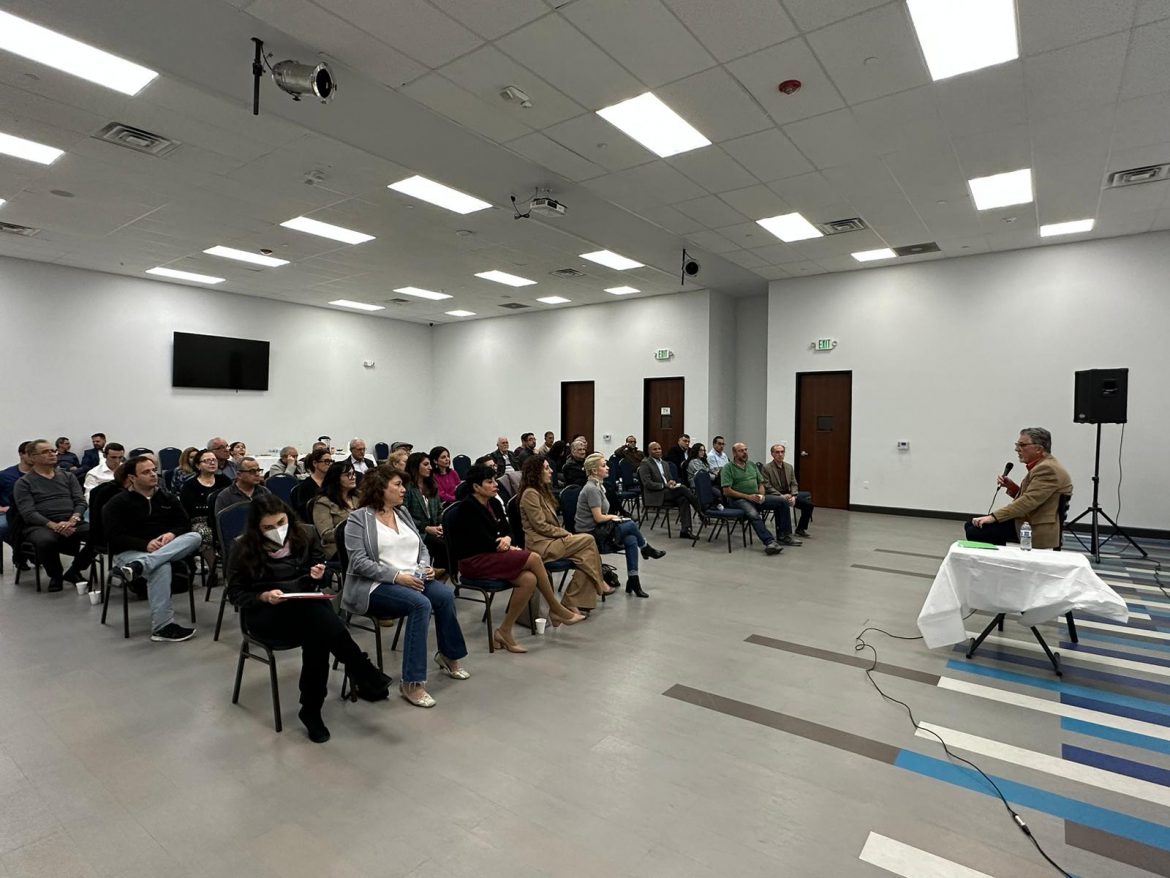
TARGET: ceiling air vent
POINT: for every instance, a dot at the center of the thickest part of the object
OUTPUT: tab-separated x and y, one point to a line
567	273
137	139
917	249
841	226
13	229
514	306
1134	176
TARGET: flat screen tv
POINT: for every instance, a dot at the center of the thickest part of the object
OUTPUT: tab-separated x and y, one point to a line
218	362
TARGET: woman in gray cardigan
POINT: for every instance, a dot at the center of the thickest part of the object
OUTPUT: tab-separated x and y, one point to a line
390	575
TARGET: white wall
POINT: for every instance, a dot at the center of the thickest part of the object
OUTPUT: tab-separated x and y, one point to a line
721	372
503	375
957	355
751	377
85	351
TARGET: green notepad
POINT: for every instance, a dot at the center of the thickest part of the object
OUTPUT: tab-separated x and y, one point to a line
971	544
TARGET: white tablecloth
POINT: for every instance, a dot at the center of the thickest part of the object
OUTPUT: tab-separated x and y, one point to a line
1041	584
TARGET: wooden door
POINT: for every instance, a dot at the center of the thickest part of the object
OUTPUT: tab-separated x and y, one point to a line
577	410
662	420
824	405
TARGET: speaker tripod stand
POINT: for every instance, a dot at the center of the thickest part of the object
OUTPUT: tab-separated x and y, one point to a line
1096	512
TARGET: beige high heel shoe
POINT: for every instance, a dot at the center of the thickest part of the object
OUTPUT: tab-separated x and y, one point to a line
509	645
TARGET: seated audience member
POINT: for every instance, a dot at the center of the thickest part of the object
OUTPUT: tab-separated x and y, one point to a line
446	479
717	457
276	557
332	506
743	488
505	459
630	453
92	456
612	532
326	441
317	465
146	529
189	464
678	454
288	465
1035	500
66	459
557	455
544	535
51	506
390	574
305	460
661	490
425	508
237	451
357	457
397	459
526	450
549	438
406	446
113	456
219	447
780	481
8	479
249	485
573	470
697	462
487	536
195	495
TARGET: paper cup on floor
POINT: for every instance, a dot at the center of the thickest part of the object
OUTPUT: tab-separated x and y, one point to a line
82	587
95	597
540	623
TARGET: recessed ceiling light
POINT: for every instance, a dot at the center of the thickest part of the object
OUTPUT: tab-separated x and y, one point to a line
1070	228
622	291
245	256
611	260
502	277
460	313
654	125
29	150
357	306
71	56
871	255
422	294
2	202
961	37
1002	190
554	300
185	275
437	193
790	227
325	230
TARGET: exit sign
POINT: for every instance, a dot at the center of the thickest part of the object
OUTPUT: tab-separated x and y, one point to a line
663	354
826	344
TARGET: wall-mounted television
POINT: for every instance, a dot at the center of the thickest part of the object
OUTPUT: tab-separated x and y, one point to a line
219	362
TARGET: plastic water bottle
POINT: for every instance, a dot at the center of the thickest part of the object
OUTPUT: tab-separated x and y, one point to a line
1026	537
420	571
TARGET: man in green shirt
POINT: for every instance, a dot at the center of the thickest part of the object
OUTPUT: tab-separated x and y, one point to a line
743	488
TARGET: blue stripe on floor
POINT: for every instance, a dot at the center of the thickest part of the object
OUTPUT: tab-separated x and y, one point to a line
1083	673
1133	828
1116	764
1115	653
1123	641
1142	713
1119	736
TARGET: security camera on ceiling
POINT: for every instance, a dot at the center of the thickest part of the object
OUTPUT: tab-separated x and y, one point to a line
690	267
291	77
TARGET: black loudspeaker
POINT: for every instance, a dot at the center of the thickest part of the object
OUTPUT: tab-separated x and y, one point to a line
1100	396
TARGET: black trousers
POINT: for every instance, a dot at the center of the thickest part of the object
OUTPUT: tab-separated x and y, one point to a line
50	546
318	630
999	533
684	498
437	546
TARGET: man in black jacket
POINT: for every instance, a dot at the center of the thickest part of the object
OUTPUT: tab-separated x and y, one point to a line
504	458
147	529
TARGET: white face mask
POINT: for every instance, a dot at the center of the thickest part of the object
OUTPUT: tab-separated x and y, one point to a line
277	535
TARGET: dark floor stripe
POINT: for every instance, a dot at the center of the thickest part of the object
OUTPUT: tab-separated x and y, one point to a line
852	661
911	554
1115	653
1129	710
1114	847
783	722
1116	764
892	570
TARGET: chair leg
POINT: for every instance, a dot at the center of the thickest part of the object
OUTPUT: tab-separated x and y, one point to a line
378	643
275	690
1072	627
1052	657
487	617
397	633
106	588
998	620
240	671
191	597
219	618
125	611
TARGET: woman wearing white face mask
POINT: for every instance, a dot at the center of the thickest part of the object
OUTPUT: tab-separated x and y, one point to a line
270	564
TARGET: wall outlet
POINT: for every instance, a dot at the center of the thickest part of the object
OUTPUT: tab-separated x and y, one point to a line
903	444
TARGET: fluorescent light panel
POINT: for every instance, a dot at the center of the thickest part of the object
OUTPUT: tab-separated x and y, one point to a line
654	125
29	150
502	277
623	291
611	260
422	294
790	227
1051	230
2	202
1002	190
357	306
871	255
554	300
185	275
325	230
245	256
71	56
437	193
460	313
961	37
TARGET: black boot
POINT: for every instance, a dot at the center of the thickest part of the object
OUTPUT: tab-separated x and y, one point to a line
634	586
369	684
648	551
314	725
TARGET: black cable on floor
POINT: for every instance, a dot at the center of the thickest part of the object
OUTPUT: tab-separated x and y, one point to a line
863	645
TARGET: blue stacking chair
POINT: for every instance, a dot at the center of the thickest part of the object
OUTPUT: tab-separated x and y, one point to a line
229	525
381	452
461	463
168	458
281	486
724	519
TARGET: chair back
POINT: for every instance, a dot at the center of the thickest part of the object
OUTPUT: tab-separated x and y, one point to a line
229	525
281	486
516	522
568	498
452	536
98	498
381	452
139	451
461	463
1061	517
301	497
342	551
627	471
168	458
672	469
704	490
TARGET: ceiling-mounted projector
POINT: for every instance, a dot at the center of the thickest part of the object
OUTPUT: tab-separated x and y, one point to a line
542	205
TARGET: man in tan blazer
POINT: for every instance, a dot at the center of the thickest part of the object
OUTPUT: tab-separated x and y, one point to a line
1035	500
780	480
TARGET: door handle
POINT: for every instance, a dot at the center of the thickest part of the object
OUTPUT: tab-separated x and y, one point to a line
804	454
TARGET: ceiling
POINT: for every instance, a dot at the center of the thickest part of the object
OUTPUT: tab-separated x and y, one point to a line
868	135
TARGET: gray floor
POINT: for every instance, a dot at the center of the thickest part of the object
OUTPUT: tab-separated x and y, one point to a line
126	758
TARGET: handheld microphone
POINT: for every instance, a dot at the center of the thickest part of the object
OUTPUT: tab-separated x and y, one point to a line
1007	468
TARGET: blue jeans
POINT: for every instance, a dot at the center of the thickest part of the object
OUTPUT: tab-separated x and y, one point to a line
389	599
3	527
156	568
779	504
630	535
752	511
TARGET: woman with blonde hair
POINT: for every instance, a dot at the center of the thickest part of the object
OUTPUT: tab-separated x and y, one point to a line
612	532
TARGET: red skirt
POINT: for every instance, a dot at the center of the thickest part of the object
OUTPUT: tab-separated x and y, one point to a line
495	565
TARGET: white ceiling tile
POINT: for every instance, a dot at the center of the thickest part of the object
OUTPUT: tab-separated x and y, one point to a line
1151	10
712	169
664	181
485	73
1074	78
756	202
872	54
586	135
803	268
769	155
715	104
745	258
1054	24
805	190
554	49
1087	130
966	245
711	212
773	272
760	73
712	242
445	97
731	28
986	101
672	220
1128	223
414	27
1132	199
1142	121
832	139
555	157
995	152
1068	190
867	181
1147	70
906	120
493	20
643	36
810	14
777	253
748	235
